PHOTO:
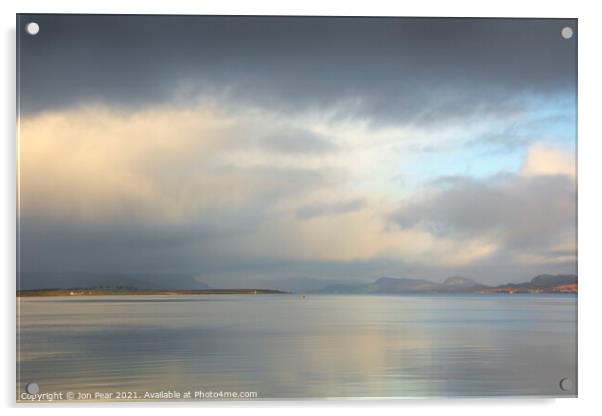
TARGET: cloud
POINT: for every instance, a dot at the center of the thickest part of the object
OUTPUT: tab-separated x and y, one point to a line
385	70
296	141
177	188
340	207
547	160
529	216
209	191
180	189
161	164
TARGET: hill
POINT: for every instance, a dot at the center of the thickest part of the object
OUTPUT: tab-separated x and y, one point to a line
134	292
456	284
386	285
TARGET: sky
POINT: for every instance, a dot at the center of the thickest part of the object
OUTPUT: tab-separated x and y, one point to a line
239	149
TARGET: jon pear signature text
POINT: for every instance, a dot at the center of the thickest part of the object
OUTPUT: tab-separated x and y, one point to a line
134	395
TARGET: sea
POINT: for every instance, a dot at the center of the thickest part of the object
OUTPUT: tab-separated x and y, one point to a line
289	346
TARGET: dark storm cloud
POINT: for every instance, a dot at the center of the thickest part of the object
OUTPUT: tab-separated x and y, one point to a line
135	237
390	69
522	213
204	250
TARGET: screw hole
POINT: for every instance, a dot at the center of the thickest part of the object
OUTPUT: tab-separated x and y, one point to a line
566	32
32	28
32	388
566	384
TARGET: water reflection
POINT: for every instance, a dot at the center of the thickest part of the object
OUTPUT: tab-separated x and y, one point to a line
284	346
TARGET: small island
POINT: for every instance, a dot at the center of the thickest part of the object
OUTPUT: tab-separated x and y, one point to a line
133	291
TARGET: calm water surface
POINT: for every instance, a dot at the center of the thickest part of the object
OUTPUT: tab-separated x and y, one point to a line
286	346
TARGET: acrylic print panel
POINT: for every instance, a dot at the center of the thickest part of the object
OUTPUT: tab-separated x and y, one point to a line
248	208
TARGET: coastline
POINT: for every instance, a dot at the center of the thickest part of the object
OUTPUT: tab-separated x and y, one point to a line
130	292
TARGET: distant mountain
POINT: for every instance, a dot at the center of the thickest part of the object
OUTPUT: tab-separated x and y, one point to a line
294	285
460	282
386	285
543	282
547	280
455	284
139	281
